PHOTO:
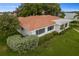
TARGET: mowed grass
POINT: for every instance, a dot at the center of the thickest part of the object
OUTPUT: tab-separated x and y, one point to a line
65	44
5	51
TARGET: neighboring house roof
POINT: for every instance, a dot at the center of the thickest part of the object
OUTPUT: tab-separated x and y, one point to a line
36	22
69	15
62	21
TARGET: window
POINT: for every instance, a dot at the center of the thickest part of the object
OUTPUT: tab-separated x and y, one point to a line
40	31
62	27
66	25
50	28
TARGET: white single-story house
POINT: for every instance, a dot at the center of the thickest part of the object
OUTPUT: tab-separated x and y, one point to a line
41	25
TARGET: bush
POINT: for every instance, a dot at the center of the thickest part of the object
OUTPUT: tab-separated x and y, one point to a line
45	38
74	24
18	43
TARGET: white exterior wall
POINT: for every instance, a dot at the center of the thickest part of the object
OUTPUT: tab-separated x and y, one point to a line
68	25
57	27
24	32
46	31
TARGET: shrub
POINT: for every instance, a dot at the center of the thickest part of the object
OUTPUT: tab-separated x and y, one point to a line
46	37
18	43
74	24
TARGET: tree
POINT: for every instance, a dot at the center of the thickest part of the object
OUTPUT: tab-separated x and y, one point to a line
53	9
61	14
8	25
38	9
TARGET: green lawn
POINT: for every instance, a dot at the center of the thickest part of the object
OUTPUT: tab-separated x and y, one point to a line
66	43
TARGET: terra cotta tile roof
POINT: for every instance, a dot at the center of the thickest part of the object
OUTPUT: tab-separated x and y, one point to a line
36	22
